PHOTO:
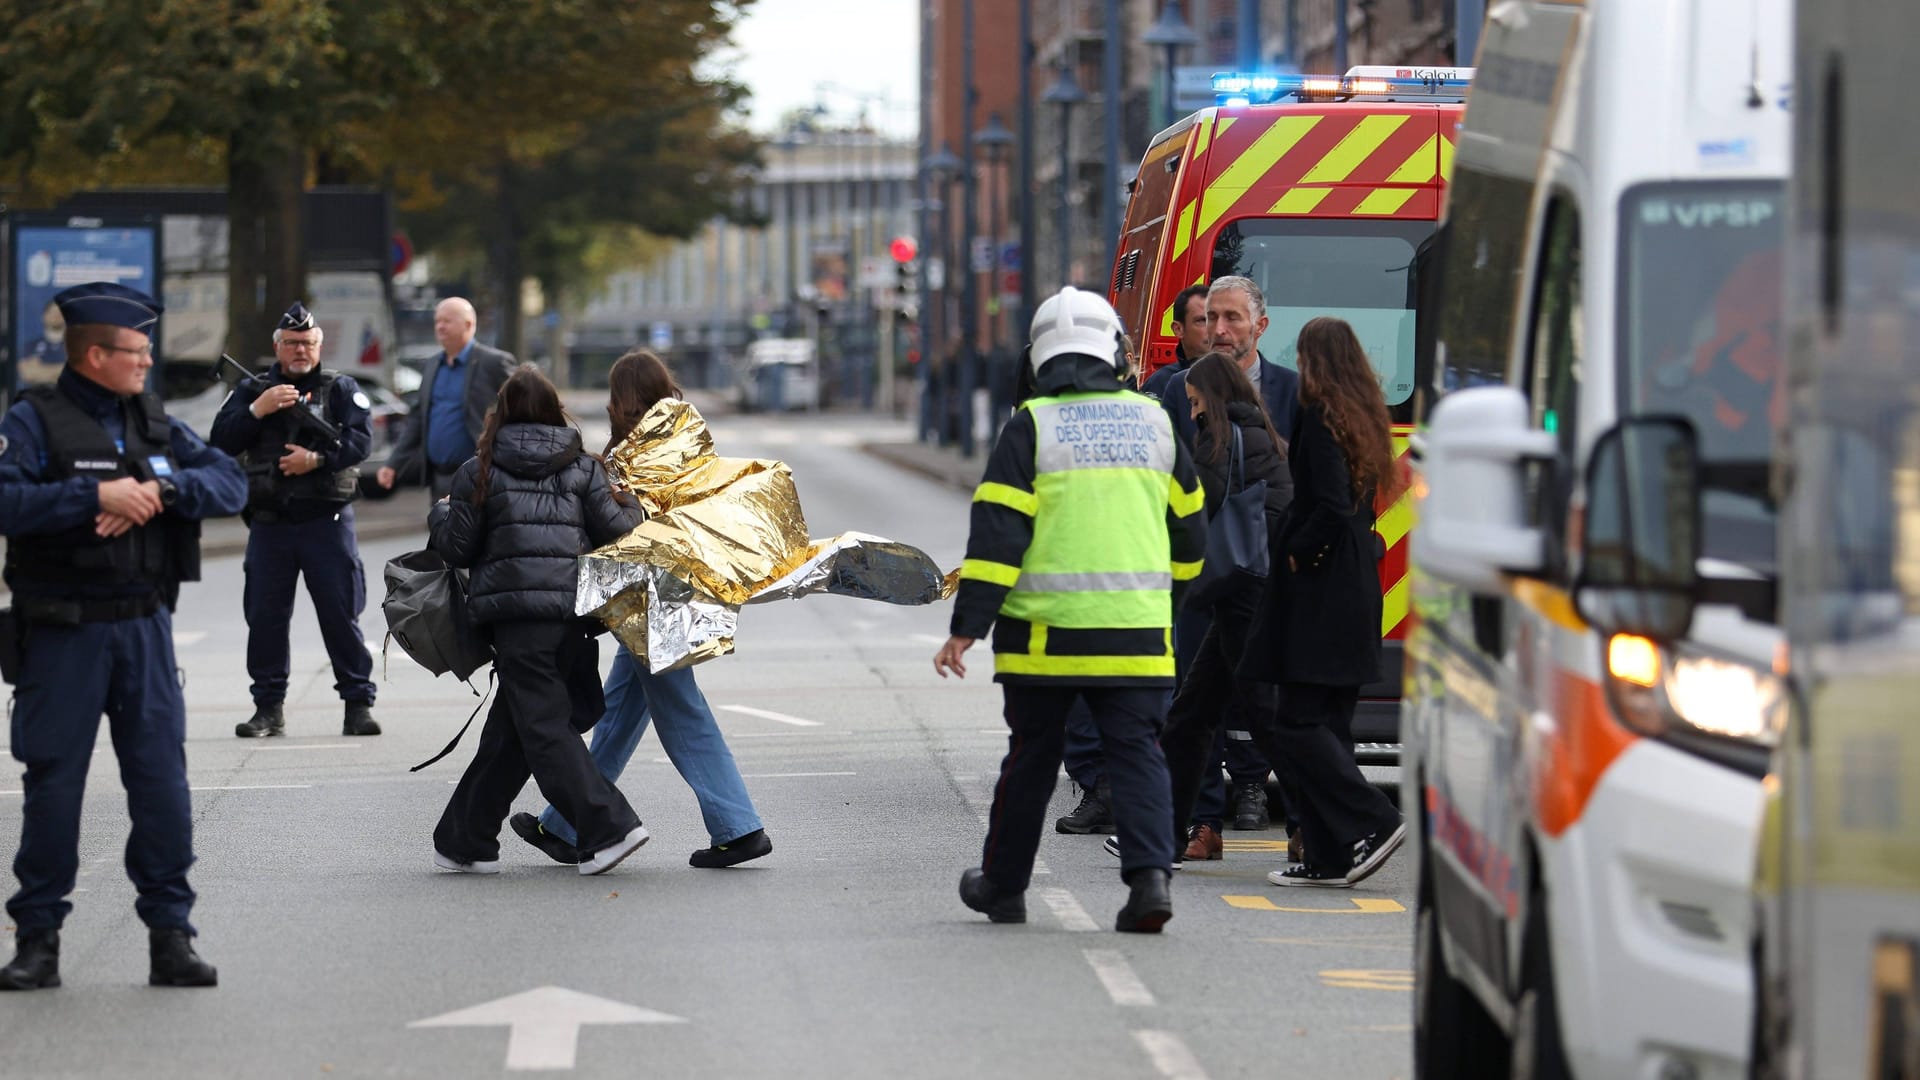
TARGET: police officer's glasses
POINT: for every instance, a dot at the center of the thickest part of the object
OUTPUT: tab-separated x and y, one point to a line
307	345
144	350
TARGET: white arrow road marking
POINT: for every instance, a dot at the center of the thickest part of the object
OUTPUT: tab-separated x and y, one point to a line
544	1024
765	714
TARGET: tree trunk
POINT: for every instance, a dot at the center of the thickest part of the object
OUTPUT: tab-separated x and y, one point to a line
266	240
509	265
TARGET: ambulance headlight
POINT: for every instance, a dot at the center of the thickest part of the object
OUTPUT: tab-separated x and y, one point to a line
1696	701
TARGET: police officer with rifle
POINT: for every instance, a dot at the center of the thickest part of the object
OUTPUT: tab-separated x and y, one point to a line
101	497
301	432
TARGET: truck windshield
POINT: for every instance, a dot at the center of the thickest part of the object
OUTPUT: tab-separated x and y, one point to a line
1360	271
1700	333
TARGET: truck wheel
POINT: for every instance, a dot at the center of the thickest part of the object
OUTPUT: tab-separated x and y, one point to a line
1538	1053
1452	1035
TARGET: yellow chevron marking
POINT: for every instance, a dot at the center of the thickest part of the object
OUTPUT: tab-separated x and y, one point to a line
1272	145
1394	605
1183	230
1300	200
1226	123
1394	525
1421	167
1206	137
1446	161
1384	201
1360	143
1166	322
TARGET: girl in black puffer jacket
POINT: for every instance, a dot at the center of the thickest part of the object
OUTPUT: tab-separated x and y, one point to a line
521	511
1223	402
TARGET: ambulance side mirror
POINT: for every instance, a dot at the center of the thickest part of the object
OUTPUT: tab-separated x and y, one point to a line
1473	529
1640	550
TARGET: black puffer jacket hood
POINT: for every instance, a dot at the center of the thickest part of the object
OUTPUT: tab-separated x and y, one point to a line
1265	461
547	504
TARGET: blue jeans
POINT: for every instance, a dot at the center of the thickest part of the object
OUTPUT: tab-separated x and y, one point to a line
690	735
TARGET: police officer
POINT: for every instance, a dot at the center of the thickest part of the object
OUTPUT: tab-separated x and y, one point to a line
301	476
1085	529
101	497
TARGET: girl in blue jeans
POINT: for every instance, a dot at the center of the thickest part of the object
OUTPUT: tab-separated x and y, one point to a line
687	728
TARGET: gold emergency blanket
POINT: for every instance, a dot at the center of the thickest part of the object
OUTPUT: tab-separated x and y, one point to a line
721	533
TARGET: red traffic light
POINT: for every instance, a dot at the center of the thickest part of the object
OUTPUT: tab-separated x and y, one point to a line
903	249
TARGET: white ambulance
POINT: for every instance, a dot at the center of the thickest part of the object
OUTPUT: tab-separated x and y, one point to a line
1589	805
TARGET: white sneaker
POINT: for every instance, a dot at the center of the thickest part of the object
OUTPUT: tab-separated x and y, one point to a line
481	866
609	857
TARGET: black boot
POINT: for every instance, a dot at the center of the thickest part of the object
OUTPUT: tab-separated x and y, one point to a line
1150	905
979	894
1093	815
359	720
267	720
174	961
36	961
1251	814
744	849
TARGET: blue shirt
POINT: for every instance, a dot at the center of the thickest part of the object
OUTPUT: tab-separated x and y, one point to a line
448	442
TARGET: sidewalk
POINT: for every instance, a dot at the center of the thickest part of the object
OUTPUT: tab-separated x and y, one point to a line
941	464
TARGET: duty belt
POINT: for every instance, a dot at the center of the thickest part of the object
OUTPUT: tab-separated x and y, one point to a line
66	612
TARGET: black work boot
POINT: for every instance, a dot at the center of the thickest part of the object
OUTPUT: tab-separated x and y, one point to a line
174	961
359	720
1149	906
979	894
1093	815
1251	813
267	720
36	961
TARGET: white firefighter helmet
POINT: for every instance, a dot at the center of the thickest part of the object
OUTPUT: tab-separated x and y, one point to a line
1076	322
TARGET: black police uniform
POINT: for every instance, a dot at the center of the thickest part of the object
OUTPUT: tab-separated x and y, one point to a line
302	525
92	619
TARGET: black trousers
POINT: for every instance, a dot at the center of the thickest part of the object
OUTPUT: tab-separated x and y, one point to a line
549	676
1314	754
1129	722
1211	700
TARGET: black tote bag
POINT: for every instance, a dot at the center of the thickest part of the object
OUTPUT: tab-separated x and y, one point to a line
1236	536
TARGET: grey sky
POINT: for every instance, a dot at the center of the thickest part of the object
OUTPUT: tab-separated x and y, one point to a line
794	53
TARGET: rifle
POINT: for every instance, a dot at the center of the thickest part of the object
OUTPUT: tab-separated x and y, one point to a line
303	415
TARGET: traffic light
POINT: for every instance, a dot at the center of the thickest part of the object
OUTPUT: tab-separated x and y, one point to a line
907	275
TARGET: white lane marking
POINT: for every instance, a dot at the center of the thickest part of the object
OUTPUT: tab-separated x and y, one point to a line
184	638
1123	986
1068	910
1170	1055
780	775
928	639
311	746
766	714
252	787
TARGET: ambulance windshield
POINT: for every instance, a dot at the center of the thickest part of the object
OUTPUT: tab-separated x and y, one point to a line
1700	332
1360	271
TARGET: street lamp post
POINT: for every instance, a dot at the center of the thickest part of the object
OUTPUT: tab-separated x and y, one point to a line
1171	32
939	170
994	140
1066	93
1028	256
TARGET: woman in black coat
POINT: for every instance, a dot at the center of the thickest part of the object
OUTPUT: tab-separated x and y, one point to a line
1318	631
1224	403
521	512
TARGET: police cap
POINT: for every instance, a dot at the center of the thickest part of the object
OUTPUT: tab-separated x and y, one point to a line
297	318
108	303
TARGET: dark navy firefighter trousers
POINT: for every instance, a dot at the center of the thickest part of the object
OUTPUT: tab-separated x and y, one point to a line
70	675
326	551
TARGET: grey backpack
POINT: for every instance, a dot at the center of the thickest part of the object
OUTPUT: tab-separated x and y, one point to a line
426	610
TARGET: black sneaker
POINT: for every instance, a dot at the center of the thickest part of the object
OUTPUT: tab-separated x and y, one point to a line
1370	852
527	827
748	847
1250	815
979	894
1112	847
266	720
1093	815
1310	875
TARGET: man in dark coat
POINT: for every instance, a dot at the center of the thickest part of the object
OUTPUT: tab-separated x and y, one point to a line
455	394
1236	317
1190	322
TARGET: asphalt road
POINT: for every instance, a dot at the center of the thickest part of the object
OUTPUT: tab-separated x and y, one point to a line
845	953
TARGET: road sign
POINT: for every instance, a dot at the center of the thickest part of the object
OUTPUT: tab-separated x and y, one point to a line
876	271
1010	256
660	335
544	1024
982	254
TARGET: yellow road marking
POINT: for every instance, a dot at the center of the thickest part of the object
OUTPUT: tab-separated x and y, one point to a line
1369	979
1253	845
1384	201
1272	145
1362	905
1360	143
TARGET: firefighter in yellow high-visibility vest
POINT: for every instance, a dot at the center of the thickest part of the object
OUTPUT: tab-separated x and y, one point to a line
1086	529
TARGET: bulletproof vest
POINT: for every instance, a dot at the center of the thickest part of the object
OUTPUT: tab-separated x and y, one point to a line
271	490
161	553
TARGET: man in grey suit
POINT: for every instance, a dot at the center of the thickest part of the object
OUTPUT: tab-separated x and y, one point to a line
1236	317
454	398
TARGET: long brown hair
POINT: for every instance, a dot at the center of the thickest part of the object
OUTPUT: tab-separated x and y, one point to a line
525	398
1335	375
638	380
1221	383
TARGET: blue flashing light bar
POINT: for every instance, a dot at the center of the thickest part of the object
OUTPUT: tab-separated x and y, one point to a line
1239	89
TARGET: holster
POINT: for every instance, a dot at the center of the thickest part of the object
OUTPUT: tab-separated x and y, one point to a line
12	648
